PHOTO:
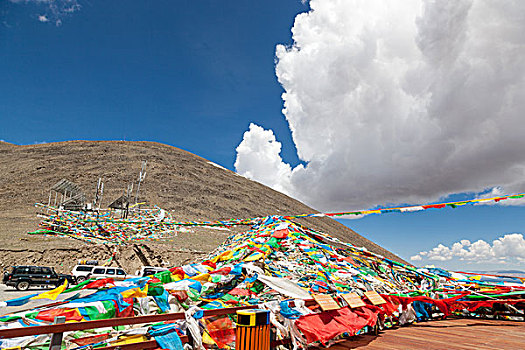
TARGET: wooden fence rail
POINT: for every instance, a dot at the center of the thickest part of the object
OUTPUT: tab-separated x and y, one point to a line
122	321
112	322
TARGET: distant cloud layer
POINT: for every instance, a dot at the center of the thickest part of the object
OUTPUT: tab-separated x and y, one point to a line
508	248
52	10
398	102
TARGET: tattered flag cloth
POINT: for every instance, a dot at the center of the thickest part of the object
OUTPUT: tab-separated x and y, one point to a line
52	294
275	261
327	325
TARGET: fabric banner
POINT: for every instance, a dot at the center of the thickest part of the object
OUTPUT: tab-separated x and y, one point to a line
327	325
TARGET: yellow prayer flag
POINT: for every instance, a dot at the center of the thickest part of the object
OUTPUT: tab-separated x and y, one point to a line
206	339
135	293
51	294
227	255
202	277
136	338
254	256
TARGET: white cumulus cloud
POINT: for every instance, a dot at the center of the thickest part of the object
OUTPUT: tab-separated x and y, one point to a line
258	157
509	247
416	258
499	191
398	102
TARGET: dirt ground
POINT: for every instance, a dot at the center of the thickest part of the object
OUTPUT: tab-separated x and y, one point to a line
8	293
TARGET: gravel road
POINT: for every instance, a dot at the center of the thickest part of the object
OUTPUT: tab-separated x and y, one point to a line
7	293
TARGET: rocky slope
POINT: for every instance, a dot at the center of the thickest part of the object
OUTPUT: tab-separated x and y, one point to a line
190	187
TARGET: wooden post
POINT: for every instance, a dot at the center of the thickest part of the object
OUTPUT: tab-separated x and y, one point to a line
253	330
101	195
142	175
56	338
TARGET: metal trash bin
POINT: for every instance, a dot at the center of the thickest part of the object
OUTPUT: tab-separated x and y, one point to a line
253	330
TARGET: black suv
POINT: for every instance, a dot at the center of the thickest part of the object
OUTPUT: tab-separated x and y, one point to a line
23	277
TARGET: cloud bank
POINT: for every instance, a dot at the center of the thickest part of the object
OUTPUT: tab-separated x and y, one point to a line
397	102
508	248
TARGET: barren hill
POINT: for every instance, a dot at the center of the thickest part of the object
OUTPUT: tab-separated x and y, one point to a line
190	187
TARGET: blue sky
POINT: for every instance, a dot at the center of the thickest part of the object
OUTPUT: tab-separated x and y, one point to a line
404	233
192	74
195	74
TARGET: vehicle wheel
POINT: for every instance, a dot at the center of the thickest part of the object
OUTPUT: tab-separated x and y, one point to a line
22	285
80	279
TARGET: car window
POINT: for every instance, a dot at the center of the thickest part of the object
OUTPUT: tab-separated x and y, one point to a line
110	271
99	271
21	270
84	268
35	270
121	272
46	270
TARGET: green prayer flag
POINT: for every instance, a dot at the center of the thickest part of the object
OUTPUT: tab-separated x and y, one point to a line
78	286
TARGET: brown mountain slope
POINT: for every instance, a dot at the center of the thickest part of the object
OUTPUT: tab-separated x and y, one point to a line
191	187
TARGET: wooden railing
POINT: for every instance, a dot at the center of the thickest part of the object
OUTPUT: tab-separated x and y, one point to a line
123	321
126	321
113	322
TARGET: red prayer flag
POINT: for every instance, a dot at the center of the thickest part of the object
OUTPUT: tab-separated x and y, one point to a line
99	283
280	233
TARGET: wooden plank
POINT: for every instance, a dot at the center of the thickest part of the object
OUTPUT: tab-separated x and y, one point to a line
457	334
56	338
326	302
375	298
150	344
353	300
426	342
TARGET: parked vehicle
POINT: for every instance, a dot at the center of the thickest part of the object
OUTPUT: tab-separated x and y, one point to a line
24	277
81	272
149	270
84	272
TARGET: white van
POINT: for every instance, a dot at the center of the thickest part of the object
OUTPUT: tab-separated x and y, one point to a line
149	270
100	272
81	272
84	272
